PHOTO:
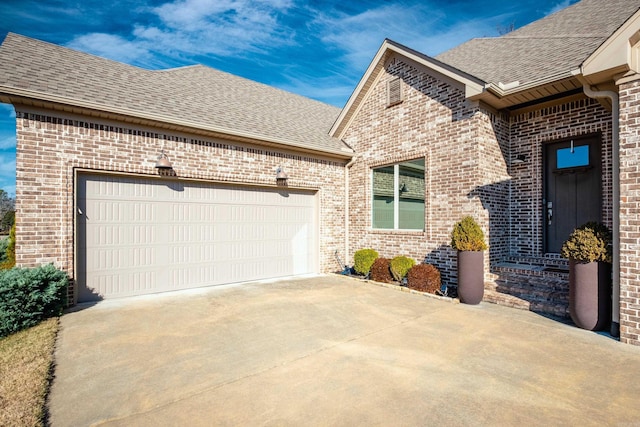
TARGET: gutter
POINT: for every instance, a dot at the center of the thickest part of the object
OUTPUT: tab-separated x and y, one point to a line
615	112
18	96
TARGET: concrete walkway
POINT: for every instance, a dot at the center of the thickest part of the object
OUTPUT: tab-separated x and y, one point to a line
333	351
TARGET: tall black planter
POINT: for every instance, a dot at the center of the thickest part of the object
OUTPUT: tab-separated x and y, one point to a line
590	294
470	276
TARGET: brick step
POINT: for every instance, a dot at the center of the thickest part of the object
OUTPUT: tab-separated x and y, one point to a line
507	300
536	284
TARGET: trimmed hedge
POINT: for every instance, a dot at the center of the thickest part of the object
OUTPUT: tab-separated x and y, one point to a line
400	266
424	278
363	260
380	271
30	295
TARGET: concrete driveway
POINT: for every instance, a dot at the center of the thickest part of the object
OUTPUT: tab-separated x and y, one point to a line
333	351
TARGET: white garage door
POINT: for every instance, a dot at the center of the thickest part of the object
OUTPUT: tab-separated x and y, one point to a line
138	236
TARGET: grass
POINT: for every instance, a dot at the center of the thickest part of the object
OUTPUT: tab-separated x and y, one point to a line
26	359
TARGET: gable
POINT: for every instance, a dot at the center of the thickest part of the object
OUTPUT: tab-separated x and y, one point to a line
617	55
389	51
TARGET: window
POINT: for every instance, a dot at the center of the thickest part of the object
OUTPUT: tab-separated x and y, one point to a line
394	92
572	157
398	196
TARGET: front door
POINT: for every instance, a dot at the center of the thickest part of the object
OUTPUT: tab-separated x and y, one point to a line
573	189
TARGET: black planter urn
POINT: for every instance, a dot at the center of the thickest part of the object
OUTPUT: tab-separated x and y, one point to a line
590	294
470	276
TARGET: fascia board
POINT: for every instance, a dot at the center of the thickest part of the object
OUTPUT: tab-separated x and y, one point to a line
615	52
17	93
370	73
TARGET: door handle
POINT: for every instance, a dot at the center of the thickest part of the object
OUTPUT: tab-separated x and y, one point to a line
549	212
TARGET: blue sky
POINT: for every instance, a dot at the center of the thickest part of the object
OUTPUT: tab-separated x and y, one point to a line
316	48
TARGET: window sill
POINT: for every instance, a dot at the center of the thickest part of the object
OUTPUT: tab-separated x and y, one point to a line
397	232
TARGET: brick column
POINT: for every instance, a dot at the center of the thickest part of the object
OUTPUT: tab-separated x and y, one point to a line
630	211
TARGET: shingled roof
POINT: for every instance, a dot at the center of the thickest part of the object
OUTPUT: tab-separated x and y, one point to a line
197	97
552	46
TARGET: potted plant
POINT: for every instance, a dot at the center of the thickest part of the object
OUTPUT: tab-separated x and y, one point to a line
589	252
468	239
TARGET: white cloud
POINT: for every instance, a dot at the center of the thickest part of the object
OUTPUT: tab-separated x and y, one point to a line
359	36
7	142
7	167
559	6
112	47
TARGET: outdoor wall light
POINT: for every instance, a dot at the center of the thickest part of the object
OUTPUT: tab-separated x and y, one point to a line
163	161
281	175
520	158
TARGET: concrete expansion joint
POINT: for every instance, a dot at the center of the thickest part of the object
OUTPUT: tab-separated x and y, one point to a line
263	371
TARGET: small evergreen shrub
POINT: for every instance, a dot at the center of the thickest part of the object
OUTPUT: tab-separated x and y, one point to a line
380	271
400	265
10	251
30	295
589	242
467	236
424	278
363	260
3	250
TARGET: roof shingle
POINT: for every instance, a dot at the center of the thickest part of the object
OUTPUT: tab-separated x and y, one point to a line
556	44
195	94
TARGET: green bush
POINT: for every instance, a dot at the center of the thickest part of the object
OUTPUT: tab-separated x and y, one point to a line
424	278
400	265
380	271
363	260
589	242
3	250
10	251
467	236
30	295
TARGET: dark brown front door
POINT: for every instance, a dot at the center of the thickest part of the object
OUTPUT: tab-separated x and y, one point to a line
573	189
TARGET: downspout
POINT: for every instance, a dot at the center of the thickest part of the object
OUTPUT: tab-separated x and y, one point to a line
615	154
346	209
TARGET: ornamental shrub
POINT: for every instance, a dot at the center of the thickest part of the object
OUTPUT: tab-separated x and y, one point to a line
363	260
589	242
380	271
30	295
400	265
467	236
10	251
424	278
3	250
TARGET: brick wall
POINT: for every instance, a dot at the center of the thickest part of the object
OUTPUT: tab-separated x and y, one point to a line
458	141
51	145
529	132
630	212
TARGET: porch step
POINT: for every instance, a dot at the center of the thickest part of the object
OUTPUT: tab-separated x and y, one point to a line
538	284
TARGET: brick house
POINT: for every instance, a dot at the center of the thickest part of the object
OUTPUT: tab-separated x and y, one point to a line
524	132
532	133
92	200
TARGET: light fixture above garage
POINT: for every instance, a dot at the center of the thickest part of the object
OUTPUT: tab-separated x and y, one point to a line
163	161
281	175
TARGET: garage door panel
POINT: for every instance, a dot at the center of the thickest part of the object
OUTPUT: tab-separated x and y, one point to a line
138	236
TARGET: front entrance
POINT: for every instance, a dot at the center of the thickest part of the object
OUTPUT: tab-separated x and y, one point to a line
572	188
